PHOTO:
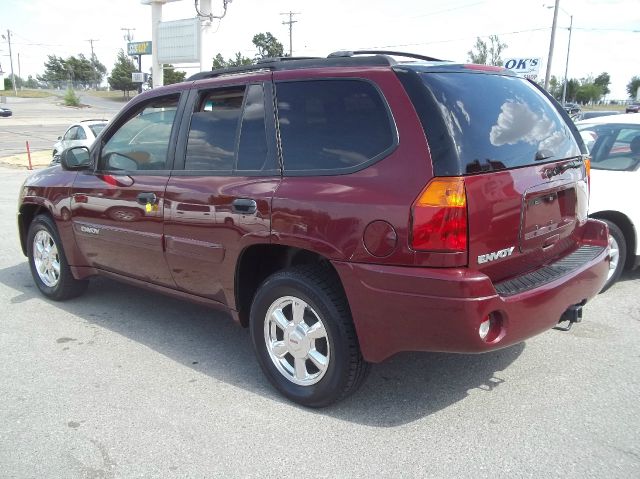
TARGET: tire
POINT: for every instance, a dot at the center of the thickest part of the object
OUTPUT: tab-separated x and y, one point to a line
48	262
618	246
313	358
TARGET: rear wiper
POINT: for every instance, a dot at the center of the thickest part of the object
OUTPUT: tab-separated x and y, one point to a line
542	155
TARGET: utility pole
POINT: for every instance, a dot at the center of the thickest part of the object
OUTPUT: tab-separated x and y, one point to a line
91	40
566	68
290	23
13	77
553	38
129	36
19	73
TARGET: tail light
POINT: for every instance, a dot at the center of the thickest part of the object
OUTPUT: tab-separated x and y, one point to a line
439	217
587	167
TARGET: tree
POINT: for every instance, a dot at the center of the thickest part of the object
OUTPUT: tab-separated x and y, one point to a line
632	87
603	80
488	54
220	62
588	92
169	76
268	46
99	70
80	71
120	78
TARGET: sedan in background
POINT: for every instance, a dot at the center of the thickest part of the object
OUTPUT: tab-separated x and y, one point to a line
614	144
5	112
587	115
633	108
78	134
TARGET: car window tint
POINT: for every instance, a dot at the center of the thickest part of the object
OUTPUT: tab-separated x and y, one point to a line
213	130
613	147
331	125
476	122
80	134
252	150
142	142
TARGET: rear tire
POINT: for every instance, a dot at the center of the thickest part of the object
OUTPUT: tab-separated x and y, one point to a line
48	263
618	247
304	338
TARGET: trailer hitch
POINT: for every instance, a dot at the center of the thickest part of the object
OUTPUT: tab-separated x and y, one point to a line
572	315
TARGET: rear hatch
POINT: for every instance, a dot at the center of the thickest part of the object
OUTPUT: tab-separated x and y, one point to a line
524	175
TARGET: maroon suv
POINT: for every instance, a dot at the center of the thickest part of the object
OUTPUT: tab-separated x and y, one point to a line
344	209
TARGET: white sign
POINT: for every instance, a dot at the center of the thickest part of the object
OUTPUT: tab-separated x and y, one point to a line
524	67
137	77
179	41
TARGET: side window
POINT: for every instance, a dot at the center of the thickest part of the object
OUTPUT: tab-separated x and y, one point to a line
81	135
142	142
213	130
252	150
332	125
71	133
613	147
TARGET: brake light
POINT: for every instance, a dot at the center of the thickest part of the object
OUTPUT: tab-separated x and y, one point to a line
439	217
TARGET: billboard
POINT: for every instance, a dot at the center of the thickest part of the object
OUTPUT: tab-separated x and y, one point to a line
179	41
524	67
139	48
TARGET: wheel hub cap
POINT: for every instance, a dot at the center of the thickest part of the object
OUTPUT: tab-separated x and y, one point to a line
46	258
296	341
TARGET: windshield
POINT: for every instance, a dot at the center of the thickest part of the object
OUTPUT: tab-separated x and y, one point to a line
495	122
612	146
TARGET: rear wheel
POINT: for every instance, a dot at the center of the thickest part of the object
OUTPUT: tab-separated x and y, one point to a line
304	337
48	262
618	254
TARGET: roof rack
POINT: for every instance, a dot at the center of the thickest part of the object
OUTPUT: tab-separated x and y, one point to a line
349	53
336	59
94	119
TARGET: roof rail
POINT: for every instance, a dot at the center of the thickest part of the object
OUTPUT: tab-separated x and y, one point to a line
293	63
94	119
348	53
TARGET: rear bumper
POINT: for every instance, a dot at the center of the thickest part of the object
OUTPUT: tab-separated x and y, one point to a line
426	309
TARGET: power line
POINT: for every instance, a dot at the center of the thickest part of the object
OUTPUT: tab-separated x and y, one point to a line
290	23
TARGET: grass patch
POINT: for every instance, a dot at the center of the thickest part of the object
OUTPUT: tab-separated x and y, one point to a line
34	94
603	108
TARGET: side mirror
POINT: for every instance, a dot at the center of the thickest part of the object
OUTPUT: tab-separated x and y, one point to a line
76	158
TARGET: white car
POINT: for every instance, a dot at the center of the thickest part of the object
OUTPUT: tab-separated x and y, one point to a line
614	144
78	134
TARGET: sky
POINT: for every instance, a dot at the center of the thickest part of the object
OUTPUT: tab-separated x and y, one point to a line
605	37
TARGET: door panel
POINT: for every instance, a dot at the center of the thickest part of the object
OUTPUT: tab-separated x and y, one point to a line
115	231
203	249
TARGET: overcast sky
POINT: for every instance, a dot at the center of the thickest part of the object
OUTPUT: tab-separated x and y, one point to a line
606	35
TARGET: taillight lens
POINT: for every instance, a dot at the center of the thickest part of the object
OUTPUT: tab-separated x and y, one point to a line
439	217
587	167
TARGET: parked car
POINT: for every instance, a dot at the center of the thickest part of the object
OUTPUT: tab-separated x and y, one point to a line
344	209
571	108
586	115
5	112
79	134
632	108
614	142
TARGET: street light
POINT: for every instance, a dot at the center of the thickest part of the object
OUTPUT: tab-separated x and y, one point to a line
566	67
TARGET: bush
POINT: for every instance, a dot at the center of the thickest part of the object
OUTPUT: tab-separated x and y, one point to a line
71	99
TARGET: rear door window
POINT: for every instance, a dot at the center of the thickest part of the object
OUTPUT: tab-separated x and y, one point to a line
332	126
482	122
228	134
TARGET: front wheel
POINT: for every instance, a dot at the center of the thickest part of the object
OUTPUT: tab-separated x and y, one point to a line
304	337
48	263
618	254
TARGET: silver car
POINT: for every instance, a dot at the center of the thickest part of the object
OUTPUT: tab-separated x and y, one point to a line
78	134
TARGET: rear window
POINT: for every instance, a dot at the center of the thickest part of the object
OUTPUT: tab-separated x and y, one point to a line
332	126
484	122
97	128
